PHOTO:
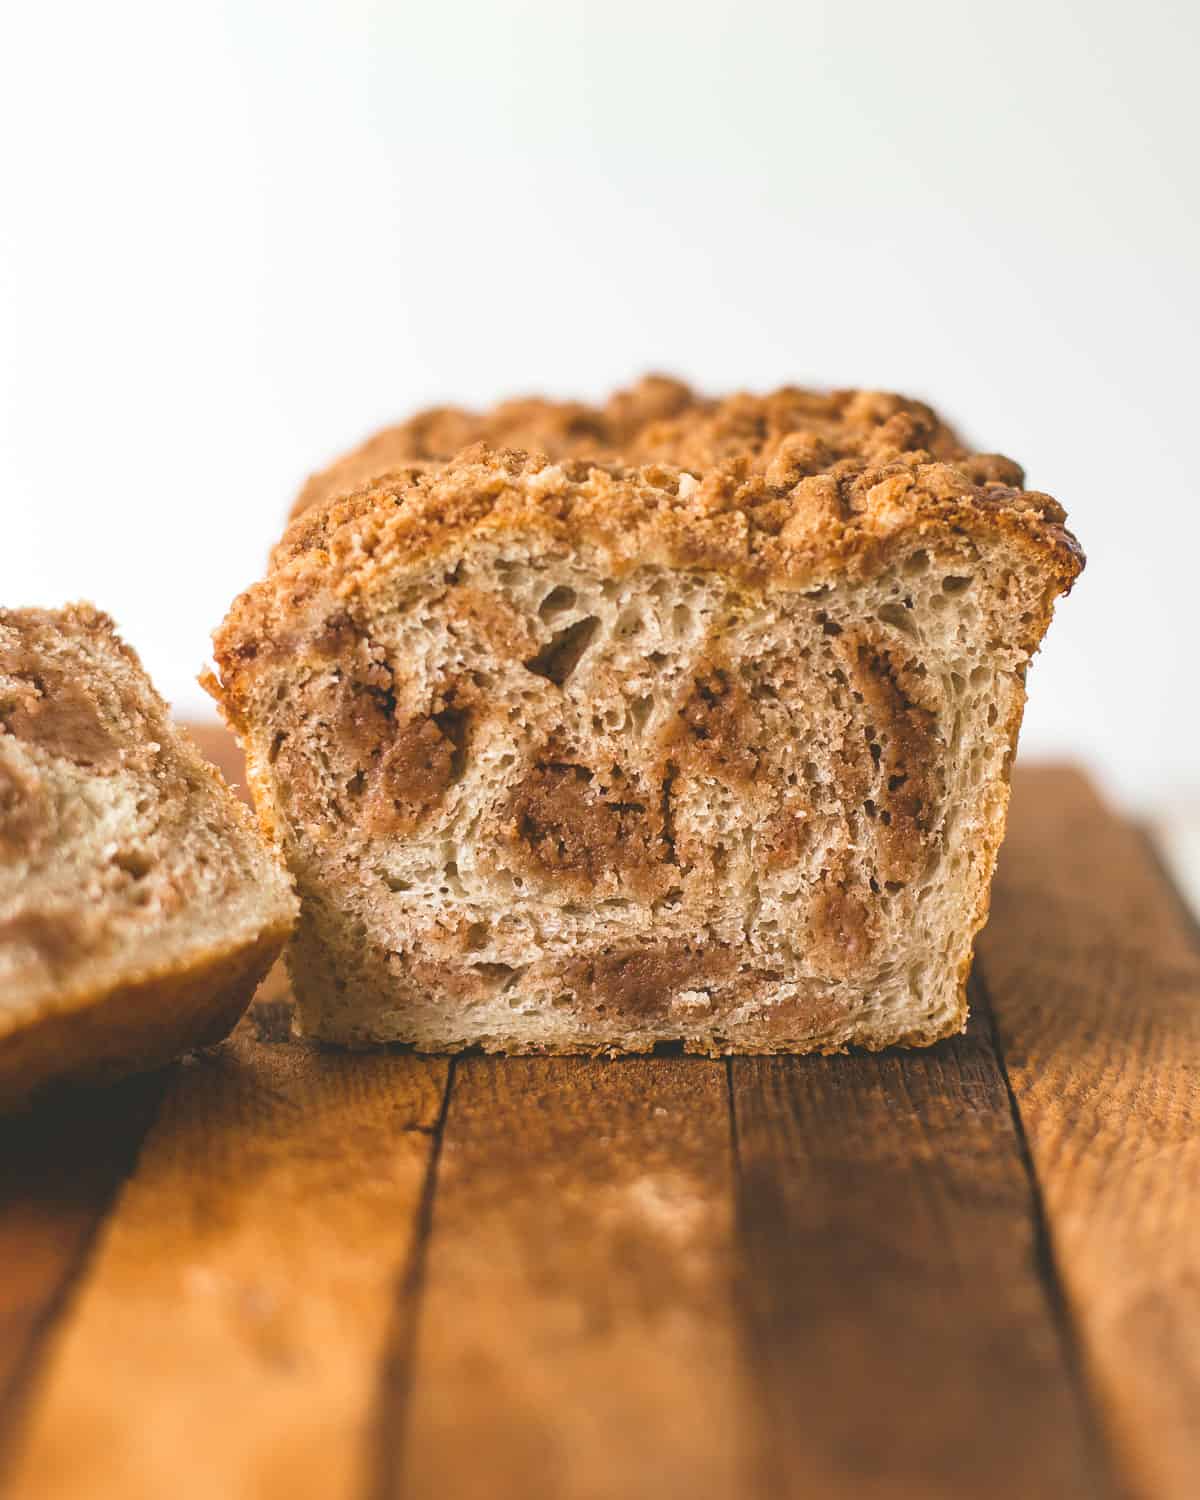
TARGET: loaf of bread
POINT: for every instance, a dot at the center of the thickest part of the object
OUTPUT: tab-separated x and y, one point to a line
582	756
139	905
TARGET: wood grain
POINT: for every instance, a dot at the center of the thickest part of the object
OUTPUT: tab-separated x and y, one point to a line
1095	983
578	1336
227	1339
905	1343
60	1165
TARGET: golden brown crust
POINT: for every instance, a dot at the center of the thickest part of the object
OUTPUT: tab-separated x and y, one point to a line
138	1024
660	420
850	520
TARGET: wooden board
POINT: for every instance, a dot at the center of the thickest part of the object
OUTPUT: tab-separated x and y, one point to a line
1094	976
967	1272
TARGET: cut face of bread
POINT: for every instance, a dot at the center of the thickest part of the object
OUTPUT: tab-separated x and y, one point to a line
139	905
570	757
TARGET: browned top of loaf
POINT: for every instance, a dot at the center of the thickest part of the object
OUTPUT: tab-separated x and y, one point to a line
661	420
796	520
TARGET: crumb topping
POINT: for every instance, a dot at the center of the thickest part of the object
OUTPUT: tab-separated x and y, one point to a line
789	433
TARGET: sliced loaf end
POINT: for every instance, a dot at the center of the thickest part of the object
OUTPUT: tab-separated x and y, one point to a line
139	905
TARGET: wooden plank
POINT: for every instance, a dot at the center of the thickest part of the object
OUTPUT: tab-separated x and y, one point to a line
1095	982
60	1165
227	1339
578	1335
905	1343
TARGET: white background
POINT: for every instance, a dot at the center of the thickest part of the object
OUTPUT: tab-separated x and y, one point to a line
234	238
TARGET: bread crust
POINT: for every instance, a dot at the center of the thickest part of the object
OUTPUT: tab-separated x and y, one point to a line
139	1023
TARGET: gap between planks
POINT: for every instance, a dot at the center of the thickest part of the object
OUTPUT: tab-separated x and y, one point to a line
1046	1257
393	1394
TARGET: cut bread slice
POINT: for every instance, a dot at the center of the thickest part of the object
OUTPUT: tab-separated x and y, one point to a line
577	757
139	904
